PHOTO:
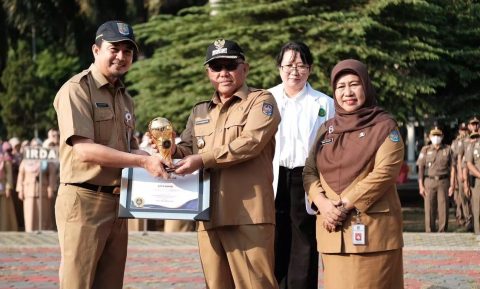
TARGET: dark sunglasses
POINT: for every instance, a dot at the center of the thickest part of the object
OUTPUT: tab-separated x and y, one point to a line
229	66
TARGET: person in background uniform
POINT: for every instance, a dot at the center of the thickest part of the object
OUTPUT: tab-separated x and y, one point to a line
436	181
303	110
16	160
472	159
232	136
52	142
8	219
462	212
97	124
350	176
473	126
36	182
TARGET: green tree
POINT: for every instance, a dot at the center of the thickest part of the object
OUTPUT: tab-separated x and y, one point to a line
30	88
401	55
19	98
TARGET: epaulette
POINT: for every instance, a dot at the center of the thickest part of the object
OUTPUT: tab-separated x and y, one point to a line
200	103
78	77
253	89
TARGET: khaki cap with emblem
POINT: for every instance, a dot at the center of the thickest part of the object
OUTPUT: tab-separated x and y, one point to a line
436	131
116	31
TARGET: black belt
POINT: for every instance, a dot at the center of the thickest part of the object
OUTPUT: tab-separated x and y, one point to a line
438	177
296	170
104	189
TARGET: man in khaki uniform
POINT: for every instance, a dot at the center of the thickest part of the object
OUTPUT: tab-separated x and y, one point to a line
436	180
232	136
463	212
96	121
472	159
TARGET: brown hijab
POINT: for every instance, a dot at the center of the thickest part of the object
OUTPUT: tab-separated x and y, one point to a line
351	139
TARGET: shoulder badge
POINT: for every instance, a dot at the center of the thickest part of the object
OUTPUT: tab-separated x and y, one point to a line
267	109
394	136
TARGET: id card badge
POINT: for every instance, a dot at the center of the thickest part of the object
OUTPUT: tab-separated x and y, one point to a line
358	234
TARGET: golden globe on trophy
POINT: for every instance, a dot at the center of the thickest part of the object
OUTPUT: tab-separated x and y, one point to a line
161	131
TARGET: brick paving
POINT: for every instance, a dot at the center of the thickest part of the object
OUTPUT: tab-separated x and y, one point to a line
170	260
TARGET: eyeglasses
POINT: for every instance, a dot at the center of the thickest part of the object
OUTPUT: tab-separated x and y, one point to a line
300	68
229	66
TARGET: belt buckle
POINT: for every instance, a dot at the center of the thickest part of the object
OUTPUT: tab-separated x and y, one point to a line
116	191
437	178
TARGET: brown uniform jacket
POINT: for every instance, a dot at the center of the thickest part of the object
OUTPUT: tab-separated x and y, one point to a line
89	106
236	142
373	193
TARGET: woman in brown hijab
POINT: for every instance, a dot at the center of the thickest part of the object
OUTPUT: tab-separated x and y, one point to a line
350	176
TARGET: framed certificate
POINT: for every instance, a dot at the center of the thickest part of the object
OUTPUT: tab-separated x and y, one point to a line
180	198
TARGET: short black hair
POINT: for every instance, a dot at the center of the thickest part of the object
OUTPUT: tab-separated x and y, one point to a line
296	46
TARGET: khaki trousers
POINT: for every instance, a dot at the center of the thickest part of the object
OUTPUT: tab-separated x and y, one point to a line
476	206
93	241
238	257
378	270
436	204
463	212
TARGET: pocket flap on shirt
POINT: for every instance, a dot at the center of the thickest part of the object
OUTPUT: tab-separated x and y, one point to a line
235	122
103	114
203	129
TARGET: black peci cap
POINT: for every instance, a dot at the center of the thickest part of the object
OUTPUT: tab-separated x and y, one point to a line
222	48
116	31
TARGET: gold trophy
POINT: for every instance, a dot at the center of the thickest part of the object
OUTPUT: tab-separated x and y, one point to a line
161	131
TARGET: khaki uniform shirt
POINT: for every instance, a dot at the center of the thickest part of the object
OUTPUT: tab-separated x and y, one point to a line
456	146
473	154
461	152
236	142
436	162
89	106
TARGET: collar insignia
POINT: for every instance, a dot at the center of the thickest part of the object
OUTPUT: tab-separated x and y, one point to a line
330	129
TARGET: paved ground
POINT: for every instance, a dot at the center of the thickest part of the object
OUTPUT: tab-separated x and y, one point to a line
162	260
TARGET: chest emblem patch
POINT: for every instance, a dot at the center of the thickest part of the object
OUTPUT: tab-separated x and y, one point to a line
128	118
200	142
322	112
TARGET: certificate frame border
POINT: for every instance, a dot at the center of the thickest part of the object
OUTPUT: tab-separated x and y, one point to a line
126	211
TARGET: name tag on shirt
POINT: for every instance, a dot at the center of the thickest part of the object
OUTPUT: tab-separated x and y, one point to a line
101	104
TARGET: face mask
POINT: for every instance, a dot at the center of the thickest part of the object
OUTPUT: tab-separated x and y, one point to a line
436	140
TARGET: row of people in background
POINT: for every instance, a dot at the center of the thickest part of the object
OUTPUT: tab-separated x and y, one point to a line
451	171
28	186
